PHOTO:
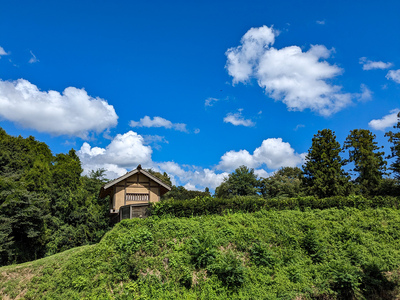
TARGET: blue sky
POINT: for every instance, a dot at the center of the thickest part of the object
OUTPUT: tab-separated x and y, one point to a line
197	89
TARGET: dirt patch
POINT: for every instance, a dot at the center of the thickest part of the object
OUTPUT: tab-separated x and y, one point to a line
230	246
21	277
198	277
166	263
148	271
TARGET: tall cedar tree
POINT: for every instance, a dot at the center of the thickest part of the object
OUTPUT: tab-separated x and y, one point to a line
394	138
242	182
323	175
368	163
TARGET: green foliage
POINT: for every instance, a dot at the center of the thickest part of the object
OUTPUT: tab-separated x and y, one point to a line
203	251
206	205
180	193
46	206
346	279
261	255
312	243
394	138
242	182
323	173
209	205
286	182
368	163
163	177
229	269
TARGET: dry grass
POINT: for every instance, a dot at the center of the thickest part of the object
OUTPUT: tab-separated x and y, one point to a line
15	279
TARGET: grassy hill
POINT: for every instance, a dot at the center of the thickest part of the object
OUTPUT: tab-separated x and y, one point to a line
292	254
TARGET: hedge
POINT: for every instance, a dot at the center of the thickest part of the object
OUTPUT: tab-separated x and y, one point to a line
209	205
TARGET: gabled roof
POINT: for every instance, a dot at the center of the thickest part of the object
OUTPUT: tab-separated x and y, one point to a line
107	188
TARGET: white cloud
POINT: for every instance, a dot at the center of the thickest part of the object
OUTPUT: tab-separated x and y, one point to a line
237	119
365	95
73	112
210	101
299	126
125	151
394	75
2	52
193	177
299	79
372	65
234	159
320	22
128	150
154	140
158	122
33	58
190	187
386	121
273	153
262	173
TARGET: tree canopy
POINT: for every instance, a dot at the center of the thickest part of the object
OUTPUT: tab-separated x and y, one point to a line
368	161
323	171
46	205
286	182
242	182
394	138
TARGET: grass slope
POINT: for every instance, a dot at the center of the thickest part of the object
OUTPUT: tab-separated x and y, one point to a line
315	254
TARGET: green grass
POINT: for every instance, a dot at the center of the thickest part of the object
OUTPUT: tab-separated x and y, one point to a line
313	254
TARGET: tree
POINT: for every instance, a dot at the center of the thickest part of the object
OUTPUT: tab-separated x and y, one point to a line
394	138
286	182
323	175
368	163
163	177
46	206
181	193
242	182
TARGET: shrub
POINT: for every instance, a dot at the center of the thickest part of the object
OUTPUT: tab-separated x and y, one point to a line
203	251
261	256
229	269
208	205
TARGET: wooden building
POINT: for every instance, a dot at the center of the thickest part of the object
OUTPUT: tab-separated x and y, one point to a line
131	194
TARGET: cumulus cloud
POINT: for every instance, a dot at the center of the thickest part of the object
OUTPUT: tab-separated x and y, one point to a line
125	151
237	119
387	121
72	112
2	52
128	150
158	122
194	178
372	65
394	75
262	173
273	153
299	79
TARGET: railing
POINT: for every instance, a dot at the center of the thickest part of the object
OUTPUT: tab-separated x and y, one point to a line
137	197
